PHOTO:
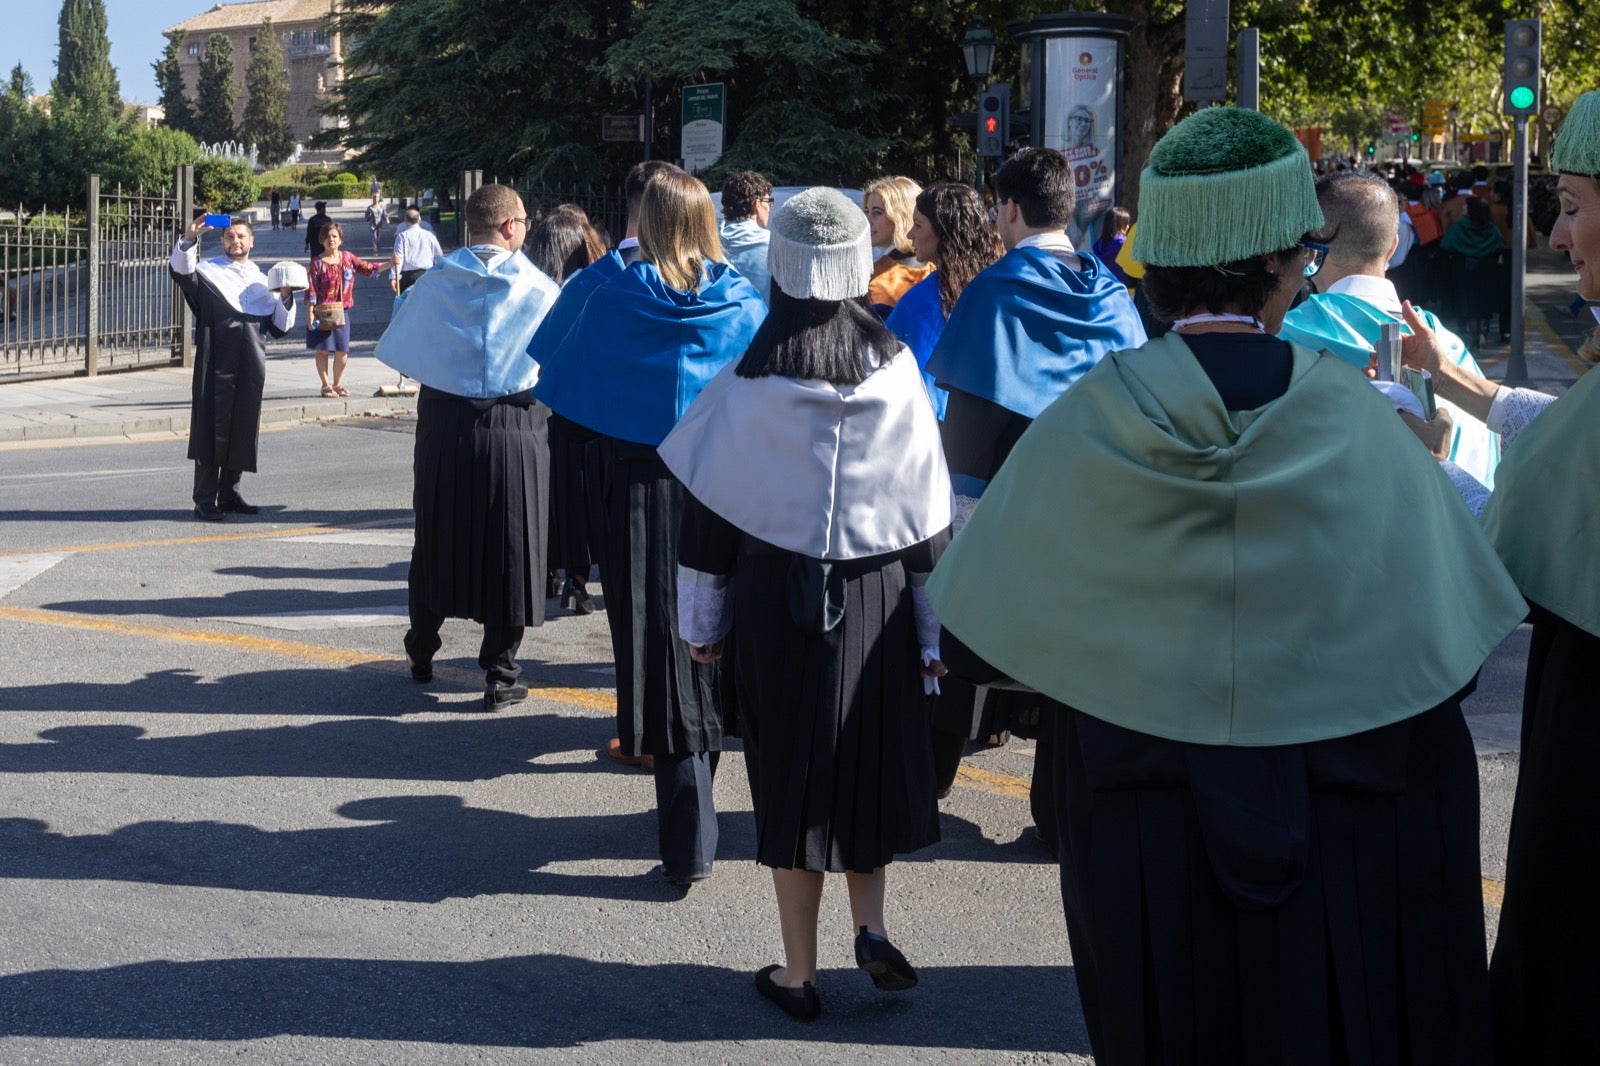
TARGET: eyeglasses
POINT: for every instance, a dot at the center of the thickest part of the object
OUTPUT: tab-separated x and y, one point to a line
526	224
1316	255
765	200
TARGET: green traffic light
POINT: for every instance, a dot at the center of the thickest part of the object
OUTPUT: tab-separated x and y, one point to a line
1522	97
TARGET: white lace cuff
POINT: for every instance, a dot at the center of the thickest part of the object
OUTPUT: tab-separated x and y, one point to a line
705	606
185	256
1473	491
964	508
1513	409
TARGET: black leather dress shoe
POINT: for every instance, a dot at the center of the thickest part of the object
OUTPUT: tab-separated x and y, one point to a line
496	696
235	503
421	673
801	1003
883	962
693	876
208	512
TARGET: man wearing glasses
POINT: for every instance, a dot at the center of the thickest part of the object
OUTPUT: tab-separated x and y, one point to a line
746	205
482	467
1347	266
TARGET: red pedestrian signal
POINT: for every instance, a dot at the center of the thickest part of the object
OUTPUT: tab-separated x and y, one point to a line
991	125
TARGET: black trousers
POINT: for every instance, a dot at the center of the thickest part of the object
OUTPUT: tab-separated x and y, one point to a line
497	654
213	481
409	278
686	818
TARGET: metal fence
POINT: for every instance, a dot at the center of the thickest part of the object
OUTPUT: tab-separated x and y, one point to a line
606	208
88	290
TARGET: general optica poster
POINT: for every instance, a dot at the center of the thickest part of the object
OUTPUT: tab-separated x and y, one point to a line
1081	79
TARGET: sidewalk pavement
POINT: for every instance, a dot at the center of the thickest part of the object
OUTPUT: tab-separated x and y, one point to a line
157	400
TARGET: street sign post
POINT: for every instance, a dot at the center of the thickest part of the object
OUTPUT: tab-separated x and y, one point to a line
622	128
705	116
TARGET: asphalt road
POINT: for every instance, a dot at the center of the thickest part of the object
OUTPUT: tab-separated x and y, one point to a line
234	829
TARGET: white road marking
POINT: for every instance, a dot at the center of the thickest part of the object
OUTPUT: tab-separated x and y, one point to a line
401	538
302	621
93	475
18	570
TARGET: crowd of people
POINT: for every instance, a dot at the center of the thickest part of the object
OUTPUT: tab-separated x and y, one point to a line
864	484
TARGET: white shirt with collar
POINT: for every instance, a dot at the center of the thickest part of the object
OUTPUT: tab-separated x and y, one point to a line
1057	244
416	246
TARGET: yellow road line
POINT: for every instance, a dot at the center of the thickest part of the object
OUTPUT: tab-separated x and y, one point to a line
1494	892
251	534
1548	332
292	649
155	436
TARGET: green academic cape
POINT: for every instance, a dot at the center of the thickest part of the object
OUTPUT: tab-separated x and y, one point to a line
1278	576
1544	516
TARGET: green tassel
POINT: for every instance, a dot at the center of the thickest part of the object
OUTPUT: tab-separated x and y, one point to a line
1577	147
1204	219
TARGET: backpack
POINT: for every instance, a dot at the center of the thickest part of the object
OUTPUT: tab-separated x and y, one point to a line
1425	222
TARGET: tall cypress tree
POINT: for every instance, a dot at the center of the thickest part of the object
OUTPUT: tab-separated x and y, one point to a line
169	79
266	107
83	64
216	92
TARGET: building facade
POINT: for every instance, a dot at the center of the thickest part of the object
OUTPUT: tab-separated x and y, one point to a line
311	53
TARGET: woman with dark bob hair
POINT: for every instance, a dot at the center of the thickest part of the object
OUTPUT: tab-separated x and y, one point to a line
1257	602
819	502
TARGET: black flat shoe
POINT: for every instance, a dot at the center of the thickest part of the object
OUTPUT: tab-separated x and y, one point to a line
208	512
883	962
801	1003
693	877
235	504
580	600
496	696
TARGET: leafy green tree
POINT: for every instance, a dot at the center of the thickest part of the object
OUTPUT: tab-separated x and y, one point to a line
266	109
796	96
21	127
152	156
169	79
226	185
83	63
216	92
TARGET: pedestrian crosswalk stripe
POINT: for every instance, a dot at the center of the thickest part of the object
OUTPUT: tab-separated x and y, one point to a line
18	570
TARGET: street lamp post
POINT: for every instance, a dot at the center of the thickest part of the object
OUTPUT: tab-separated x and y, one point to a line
977	48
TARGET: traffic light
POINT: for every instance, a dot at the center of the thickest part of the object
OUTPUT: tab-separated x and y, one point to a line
994	114
1522	67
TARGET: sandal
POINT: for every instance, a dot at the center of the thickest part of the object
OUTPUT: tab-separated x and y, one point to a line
341	390
327	390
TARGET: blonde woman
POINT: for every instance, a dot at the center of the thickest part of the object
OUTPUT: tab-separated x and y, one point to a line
888	203
637	354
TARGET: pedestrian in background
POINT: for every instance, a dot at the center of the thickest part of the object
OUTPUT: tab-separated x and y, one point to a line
818	503
377	216
328	303
275	206
887	203
294	209
416	248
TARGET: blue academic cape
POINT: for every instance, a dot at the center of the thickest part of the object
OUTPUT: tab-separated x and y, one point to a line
464	329
918	320
640	351
1348	326
744	246
545	349
1029	326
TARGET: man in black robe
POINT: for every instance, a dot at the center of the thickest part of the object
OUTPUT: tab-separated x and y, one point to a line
234	312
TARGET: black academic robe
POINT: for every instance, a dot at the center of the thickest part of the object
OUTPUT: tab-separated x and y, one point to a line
230	371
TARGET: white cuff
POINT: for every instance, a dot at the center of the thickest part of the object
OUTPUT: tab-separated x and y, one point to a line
1513	409
964	508
705	606
1473	491
185	256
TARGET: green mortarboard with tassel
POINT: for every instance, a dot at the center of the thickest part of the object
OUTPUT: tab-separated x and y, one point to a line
1222	185
1577	149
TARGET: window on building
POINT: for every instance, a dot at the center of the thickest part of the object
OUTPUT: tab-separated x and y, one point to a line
194	49
319	40
252	44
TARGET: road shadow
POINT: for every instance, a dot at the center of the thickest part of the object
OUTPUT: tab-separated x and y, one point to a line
534	1001
394	572
409	849
248	602
338	521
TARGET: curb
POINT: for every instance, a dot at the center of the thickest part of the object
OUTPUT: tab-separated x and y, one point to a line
272	414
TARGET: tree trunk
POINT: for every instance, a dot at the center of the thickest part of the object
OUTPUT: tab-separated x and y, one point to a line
1152	94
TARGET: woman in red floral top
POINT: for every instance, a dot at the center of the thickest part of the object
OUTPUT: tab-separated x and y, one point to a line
333	284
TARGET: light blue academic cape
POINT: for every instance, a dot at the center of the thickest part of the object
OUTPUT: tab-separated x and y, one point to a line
1348	326
744	245
1029	326
464	328
918	320
641	351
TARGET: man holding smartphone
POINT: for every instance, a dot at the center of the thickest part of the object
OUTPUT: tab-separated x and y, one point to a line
235	309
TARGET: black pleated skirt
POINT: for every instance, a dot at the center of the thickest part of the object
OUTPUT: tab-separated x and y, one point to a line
1372	951
1545	977
666	702
481	476
835	723
576	512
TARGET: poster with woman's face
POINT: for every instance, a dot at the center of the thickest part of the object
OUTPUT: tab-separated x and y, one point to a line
1080	94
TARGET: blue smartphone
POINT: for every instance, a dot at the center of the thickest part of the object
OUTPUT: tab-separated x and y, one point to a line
218	221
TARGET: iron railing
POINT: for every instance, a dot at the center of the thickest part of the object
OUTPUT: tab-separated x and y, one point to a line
87	291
